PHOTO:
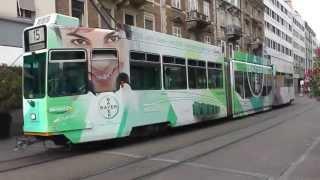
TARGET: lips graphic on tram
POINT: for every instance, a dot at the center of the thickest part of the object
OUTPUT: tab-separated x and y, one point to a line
102	75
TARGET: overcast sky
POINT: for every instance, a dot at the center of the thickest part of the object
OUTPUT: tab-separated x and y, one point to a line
310	11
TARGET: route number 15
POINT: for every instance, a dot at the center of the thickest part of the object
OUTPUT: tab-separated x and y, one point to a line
36	35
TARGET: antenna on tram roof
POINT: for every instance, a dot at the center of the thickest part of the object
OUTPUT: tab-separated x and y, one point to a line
16	60
104	13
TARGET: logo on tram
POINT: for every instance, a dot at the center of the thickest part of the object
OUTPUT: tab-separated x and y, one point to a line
109	107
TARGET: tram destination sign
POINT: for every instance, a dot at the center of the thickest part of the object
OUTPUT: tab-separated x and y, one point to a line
35	38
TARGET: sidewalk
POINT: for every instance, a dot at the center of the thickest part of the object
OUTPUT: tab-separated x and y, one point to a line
7	151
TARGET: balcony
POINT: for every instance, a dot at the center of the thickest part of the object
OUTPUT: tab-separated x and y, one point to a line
135	3
196	20
177	16
233	32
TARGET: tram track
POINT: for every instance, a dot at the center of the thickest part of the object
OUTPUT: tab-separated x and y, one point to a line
35	159
175	164
154	155
60	154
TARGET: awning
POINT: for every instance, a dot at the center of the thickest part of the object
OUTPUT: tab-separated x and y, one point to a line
27	5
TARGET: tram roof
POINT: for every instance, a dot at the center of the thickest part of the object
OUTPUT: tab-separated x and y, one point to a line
172	43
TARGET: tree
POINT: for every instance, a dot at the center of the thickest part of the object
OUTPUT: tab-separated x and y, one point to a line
315	79
10	88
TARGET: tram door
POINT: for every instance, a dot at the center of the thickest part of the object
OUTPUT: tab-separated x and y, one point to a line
228	86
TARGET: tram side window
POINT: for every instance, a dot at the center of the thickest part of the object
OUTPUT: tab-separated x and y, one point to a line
174	73
104	68
197	74
288	82
239	83
215	75
67	75
270	81
67	55
267	85
253	84
258	83
145	71
247	80
280	79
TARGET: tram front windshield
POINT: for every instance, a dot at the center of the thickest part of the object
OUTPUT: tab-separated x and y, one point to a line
34	76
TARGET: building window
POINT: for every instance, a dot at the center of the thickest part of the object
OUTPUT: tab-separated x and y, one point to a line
223	45
176	4
78	10
129	19
23	13
231	50
206	9
176	31
237	48
236	3
26	9
192	5
149	22
207	39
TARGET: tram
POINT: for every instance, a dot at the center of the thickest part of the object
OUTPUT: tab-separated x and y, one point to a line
84	84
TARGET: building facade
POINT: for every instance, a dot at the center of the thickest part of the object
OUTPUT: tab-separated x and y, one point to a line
228	25
232	24
299	48
192	19
279	34
15	16
311	46
252	21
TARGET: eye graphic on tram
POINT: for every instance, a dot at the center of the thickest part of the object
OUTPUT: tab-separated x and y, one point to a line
255	81
103	48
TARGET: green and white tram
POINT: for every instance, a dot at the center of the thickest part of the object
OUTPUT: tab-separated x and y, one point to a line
283	87
83	84
252	88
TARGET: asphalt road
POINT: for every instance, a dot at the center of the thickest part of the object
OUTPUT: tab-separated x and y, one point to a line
282	144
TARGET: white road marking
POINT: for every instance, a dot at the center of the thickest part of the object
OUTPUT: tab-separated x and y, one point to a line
258	175
295	164
165	160
124	154
233	171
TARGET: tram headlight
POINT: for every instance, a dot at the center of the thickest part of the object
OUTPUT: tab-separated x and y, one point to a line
33	116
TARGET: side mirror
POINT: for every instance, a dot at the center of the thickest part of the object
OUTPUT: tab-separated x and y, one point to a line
32	103
91	87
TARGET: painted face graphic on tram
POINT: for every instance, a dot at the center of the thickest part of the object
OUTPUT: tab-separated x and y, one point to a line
105	65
